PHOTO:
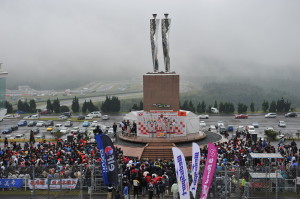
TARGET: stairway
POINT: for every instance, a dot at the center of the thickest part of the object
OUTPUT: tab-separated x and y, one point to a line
158	150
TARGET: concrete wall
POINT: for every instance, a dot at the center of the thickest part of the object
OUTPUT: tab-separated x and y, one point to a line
161	89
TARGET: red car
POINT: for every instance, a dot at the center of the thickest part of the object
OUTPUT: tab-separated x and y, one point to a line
241	116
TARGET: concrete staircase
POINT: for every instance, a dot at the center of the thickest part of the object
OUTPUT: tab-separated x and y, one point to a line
158	150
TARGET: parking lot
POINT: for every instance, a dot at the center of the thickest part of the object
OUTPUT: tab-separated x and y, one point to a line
292	124
43	130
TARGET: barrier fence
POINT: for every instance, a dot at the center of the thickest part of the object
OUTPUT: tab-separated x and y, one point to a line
86	182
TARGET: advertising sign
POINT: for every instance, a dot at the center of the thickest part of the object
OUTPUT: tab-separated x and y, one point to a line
44	183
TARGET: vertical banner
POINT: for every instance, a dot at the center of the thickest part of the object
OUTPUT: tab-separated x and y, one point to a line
108	160
210	167
181	173
195	168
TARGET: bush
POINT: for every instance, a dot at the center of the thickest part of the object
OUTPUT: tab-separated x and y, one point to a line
271	134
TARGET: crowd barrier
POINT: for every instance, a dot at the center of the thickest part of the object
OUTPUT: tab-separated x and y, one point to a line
81	181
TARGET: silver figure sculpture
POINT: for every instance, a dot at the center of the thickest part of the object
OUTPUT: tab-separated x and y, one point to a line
165	28
154	27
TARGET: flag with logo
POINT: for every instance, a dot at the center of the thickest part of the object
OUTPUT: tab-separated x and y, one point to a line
108	160
181	173
209	170
195	168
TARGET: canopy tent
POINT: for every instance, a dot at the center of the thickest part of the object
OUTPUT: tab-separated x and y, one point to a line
266	175
265	155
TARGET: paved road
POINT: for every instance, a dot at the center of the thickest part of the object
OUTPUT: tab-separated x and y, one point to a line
292	124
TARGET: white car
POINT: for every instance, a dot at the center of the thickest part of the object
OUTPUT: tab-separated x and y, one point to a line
202	124
212	128
12	116
271	115
105	117
95	114
110	131
94	124
220	123
40	124
281	124
65	130
270	129
251	129
20	136
203	116
88	117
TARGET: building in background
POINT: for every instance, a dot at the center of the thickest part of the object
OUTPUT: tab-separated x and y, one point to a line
3	76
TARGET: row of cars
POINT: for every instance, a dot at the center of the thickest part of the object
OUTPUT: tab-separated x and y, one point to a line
245	116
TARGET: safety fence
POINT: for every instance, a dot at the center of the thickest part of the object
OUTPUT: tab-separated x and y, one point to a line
84	181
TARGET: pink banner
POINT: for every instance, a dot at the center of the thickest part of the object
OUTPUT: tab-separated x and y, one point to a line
210	167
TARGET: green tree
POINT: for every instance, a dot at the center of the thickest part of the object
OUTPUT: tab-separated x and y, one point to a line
26	107
49	106
8	106
56	105
191	106
203	107
75	105
185	105
216	104
221	107
287	106
84	107
273	106
141	107
20	105
64	109
32	106
252	107
265	106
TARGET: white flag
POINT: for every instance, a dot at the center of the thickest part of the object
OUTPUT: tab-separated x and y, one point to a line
181	173
195	168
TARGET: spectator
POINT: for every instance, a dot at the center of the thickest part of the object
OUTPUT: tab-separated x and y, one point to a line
174	190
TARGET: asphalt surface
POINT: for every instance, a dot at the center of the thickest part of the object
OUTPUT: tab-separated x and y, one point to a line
291	129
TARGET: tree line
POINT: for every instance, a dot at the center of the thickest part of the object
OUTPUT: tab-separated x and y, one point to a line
113	104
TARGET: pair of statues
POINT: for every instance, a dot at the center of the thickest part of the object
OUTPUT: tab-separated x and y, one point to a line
165	28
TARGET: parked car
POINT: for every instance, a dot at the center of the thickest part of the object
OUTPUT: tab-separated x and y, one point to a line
255	124
22	123
251	129
271	115
203	116
6	130
31	123
14	128
230	128
63	117
202	124
35	130
222	130
55	130
240	129
105	117
82	130
58	125
281	124
88	117
269	129
49	123
241	116
291	114
49	128
86	124
94	123
220	123
20	136
40	124
110	131
68	114
80	117
95	114
65	130
212	128
75	130
68	124
11	116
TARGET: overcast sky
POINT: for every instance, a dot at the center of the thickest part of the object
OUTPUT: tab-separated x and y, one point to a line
88	39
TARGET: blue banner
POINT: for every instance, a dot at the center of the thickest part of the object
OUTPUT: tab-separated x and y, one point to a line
108	159
11	183
103	162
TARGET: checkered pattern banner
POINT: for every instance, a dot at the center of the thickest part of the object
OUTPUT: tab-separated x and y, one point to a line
161	123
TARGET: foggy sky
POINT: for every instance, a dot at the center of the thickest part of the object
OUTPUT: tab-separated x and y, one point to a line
58	40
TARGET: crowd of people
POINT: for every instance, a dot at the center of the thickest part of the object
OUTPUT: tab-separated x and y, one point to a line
137	177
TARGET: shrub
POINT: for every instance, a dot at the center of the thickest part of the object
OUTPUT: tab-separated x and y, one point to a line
271	134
